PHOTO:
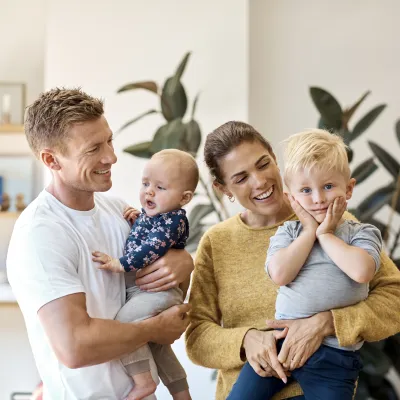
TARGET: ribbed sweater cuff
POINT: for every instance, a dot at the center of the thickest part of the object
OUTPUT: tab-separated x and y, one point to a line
344	327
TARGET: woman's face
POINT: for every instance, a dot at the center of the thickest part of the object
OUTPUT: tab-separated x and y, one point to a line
250	173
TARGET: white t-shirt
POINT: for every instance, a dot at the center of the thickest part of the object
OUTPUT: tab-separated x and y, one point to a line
50	257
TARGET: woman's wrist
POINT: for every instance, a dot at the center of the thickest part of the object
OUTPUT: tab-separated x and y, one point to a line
326	324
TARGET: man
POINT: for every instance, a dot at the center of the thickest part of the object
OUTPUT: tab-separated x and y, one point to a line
67	303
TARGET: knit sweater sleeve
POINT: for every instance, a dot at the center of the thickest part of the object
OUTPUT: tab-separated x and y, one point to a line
207	342
376	317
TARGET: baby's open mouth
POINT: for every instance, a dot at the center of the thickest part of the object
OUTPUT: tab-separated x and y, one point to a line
150	204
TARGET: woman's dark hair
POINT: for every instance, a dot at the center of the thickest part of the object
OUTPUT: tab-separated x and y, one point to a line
224	139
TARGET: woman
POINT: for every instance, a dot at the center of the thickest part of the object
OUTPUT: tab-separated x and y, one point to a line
231	295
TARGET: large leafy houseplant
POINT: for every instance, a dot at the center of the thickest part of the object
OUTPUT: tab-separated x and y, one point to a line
180	134
378	357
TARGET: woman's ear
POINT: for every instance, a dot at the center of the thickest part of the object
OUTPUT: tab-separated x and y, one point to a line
350	188
186	197
221	188
49	160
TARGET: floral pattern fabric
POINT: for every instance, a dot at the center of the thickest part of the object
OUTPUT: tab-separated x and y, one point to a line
151	237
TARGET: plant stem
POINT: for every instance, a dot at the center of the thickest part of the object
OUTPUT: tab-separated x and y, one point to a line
210	198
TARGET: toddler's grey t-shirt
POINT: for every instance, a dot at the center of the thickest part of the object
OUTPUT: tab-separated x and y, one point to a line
321	285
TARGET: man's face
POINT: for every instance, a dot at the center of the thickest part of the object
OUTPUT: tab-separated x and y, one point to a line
88	157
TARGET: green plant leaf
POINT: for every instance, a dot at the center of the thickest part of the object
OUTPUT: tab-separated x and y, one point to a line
355	212
364	170
365	122
179	72
132	121
348	113
141	150
169	136
192	137
198	213
147	85
173	100
328	107
196	99
397	128
194	238
375	201
389	162
397	262
350	154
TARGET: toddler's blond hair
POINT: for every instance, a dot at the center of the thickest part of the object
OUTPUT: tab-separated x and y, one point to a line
315	148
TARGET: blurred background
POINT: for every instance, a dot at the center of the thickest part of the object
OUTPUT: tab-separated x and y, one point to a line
281	65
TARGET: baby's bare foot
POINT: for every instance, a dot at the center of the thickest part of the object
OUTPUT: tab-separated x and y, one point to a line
144	386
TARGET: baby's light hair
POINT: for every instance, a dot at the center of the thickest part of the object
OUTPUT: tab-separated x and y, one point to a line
187	163
315	148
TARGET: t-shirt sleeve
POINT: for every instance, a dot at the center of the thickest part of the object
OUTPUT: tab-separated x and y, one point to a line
42	264
368	237
283	237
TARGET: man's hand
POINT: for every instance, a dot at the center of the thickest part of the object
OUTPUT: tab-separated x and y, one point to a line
333	215
260	348
171	324
308	222
106	262
304	338
167	272
131	214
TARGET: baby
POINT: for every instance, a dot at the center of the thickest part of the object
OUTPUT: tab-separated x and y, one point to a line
320	262
169	180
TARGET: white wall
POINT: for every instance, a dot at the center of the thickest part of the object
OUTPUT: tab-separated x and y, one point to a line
344	47
103	45
22	30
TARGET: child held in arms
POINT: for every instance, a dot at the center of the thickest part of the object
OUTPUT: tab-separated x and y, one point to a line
321	262
169	180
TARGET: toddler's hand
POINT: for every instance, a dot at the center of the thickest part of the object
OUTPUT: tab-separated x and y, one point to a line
308	222
333	216
131	214
106	262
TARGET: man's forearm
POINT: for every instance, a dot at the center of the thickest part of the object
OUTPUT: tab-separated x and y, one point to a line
102	340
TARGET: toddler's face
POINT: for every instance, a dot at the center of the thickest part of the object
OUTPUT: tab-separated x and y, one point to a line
162	189
316	189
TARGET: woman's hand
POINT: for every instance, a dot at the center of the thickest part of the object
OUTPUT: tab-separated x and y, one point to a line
303	339
308	222
167	272
260	348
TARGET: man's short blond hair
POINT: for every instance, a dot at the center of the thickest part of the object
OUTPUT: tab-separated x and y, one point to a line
315	148
49	118
187	164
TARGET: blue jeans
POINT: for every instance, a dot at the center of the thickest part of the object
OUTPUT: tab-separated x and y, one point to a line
329	374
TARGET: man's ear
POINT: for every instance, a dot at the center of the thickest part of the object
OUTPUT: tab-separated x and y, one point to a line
350	188
49	159
186	197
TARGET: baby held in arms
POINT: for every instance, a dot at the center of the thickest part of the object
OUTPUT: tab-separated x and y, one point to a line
169	180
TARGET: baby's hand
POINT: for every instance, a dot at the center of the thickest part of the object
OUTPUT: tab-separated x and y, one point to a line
106	262
131	214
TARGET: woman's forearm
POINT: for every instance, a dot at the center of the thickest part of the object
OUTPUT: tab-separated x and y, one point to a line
285	264
355	262
375	318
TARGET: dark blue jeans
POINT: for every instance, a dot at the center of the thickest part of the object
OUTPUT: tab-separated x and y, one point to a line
329	374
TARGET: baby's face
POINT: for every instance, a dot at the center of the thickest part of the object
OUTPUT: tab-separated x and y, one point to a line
316	189
162	189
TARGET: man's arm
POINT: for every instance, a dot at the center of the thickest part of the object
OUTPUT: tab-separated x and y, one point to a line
79	340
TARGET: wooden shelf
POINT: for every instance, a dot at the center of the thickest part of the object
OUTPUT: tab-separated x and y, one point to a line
11	129
9	214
